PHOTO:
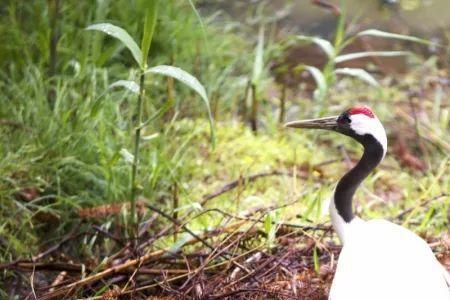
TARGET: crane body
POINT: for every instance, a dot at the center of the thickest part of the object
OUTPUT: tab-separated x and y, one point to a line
379	259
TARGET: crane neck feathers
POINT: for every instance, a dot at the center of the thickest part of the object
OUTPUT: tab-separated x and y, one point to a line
343	195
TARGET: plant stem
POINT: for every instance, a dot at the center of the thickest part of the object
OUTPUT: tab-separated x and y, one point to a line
54	13
243	108
134	170
54	36
254	113
176	204
282	104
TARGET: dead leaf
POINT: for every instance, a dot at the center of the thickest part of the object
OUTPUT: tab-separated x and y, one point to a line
105	210
28	194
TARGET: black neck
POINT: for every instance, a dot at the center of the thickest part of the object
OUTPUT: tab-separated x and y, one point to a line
373	154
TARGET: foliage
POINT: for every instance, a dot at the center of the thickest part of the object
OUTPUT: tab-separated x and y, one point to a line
141	56
327	77
65	136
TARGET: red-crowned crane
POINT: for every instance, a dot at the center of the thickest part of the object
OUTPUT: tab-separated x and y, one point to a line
379	260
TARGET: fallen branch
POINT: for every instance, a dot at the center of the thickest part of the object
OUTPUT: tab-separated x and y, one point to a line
122	267
241	181
421	204
98	276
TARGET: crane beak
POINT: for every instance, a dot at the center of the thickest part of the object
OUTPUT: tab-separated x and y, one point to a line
328	123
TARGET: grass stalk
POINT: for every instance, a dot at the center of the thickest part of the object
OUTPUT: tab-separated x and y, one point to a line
254	112
135	167
243	108
176	205
54	36
215	102
54	14
282	104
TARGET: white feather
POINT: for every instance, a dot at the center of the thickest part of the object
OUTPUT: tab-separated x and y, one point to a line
363	124
382	260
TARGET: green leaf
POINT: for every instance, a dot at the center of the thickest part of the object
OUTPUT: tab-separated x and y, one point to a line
149	29
162	110
196	206
316	260
149	137
426	220
268	223
318	77
128	84
357	55
122	36
181	240
358	73
270	227
258	64
389	35
191	82
126	155
322	43
340	31
320	80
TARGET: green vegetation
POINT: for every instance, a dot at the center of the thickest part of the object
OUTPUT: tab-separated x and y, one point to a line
80	112
327	77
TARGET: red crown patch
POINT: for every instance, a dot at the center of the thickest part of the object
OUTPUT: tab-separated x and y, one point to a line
361	110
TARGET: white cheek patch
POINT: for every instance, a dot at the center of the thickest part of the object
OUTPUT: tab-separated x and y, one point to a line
363	124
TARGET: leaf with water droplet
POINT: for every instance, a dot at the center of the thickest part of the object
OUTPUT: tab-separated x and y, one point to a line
122	35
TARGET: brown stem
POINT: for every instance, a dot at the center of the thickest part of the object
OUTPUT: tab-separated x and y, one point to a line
254	115
215	103
245	101
176	204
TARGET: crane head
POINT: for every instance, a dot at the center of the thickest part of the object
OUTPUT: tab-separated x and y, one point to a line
358	122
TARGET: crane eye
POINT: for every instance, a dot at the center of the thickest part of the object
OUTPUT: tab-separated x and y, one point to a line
344	119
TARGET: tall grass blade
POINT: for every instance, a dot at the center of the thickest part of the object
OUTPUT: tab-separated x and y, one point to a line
200	20
121	35
322	43
357	55
191	82
340	30
358	73
259	57
149	29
